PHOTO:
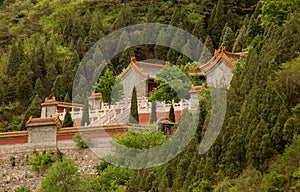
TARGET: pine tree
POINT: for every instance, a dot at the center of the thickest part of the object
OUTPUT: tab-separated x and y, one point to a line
68	122
85	119
172	114
153	112
134	114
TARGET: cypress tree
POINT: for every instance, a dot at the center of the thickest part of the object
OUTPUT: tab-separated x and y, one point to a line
39	89
68	122
68	77
134	114
50	77
67	98
36	61
23	83
33	110
58	89
172	114
216	22
153	112
207	51
242	40
227	38
124	19
16	57
199	29
85	119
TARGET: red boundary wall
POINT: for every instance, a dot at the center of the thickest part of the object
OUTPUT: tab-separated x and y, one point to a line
145	118
21	137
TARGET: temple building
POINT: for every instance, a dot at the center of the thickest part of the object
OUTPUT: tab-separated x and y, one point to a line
217	71
141	75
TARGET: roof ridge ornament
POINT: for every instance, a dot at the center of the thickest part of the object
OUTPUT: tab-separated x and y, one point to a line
132	60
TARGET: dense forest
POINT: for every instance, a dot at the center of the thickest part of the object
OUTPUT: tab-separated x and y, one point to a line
42	43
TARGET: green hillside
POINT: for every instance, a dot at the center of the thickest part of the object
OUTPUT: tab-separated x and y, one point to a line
42	43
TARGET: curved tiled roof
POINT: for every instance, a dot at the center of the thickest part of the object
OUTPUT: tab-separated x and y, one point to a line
61	104
219	54
34	122
146	70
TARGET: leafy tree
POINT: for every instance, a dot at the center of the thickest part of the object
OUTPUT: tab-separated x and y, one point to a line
105	86
173	84
134	114
68	122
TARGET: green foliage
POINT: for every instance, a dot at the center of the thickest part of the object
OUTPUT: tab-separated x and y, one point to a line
22	189
34	110
58	90
172	114
105	86
111	178
173	84
227	38
41	162
153	118
276	11
62	176
68	122
85	119
134	114
140	140
13	161
81	141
